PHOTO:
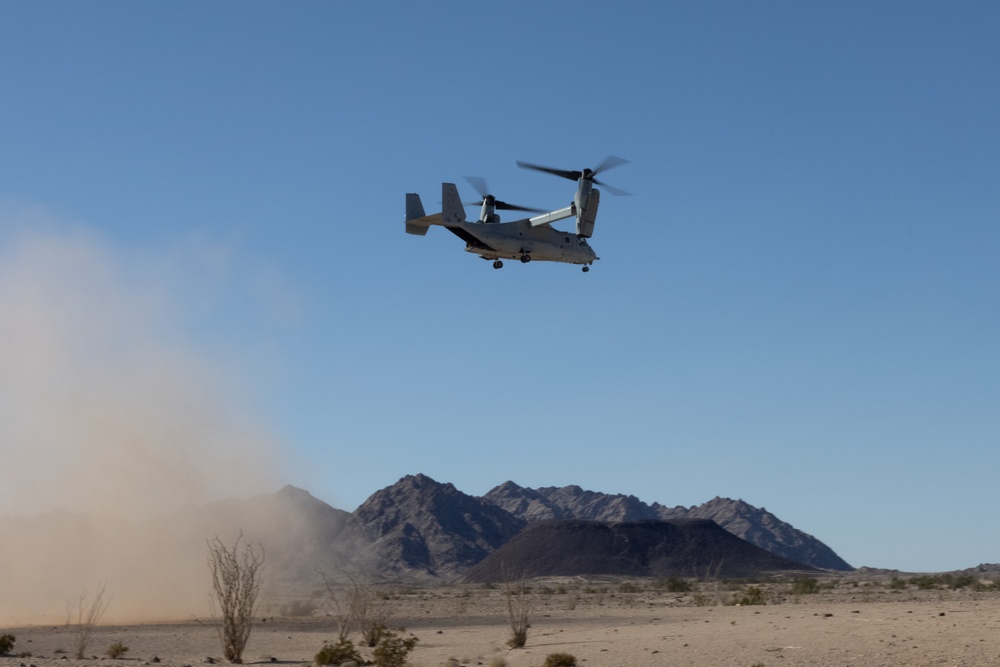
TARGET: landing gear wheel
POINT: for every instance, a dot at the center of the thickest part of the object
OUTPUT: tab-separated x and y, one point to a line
525	258
586	268
497	264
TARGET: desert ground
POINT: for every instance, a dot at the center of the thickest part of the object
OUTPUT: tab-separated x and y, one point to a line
837	621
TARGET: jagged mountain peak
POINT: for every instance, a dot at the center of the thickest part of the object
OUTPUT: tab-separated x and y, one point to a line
762	528
291	492
421	525
568	502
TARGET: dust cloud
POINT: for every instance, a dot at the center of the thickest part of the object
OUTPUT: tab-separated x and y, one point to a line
112	414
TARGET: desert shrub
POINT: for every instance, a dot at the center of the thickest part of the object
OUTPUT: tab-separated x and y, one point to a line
369	608
897	584
338	654
560	660
928	582
752	595
518	607
498	662
628	587
89	614
373	634
804	586
393	649
236	580
925	582
675	585
116	650
7	643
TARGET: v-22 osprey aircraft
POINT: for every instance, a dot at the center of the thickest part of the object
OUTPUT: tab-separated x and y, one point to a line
526	239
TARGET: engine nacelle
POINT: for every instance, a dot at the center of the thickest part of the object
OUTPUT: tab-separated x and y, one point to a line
586	217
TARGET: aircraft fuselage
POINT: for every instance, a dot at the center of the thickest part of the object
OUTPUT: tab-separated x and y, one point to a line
513	240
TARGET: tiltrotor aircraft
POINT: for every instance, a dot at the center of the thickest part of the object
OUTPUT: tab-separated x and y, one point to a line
526	239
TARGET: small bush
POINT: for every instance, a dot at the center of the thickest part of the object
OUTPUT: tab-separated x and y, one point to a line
338	654
961	581
392	649
753	595
7	643
560	660
925	582
116	650
677	585
626	587
805	586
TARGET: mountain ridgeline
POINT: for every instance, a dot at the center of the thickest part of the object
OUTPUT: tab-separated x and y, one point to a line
420	527
755	525
416	530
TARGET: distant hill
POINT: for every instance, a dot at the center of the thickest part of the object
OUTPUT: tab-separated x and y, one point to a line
419	526
679	548
757	526
760	527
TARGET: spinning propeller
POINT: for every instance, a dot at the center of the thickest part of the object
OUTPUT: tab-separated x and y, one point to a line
590	175
479	185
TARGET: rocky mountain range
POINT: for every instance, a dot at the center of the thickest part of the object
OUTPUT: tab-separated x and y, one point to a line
755	525
415	529
419	527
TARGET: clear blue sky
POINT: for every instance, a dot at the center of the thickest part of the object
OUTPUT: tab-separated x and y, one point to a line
798	306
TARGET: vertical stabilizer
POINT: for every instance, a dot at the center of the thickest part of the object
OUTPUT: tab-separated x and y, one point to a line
452	209
415	211
414	207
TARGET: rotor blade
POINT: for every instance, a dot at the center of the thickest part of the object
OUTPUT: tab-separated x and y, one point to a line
613	190
609	162
513	207
571	175
478	184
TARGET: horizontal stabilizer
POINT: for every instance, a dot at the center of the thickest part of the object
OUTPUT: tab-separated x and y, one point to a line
419	226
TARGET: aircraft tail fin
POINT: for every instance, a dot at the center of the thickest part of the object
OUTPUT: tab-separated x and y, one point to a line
414	207
453	211
414	213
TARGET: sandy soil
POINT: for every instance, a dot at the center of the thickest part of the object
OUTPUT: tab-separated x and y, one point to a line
601	623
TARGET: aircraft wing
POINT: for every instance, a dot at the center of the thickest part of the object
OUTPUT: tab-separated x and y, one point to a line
553	216
468	238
